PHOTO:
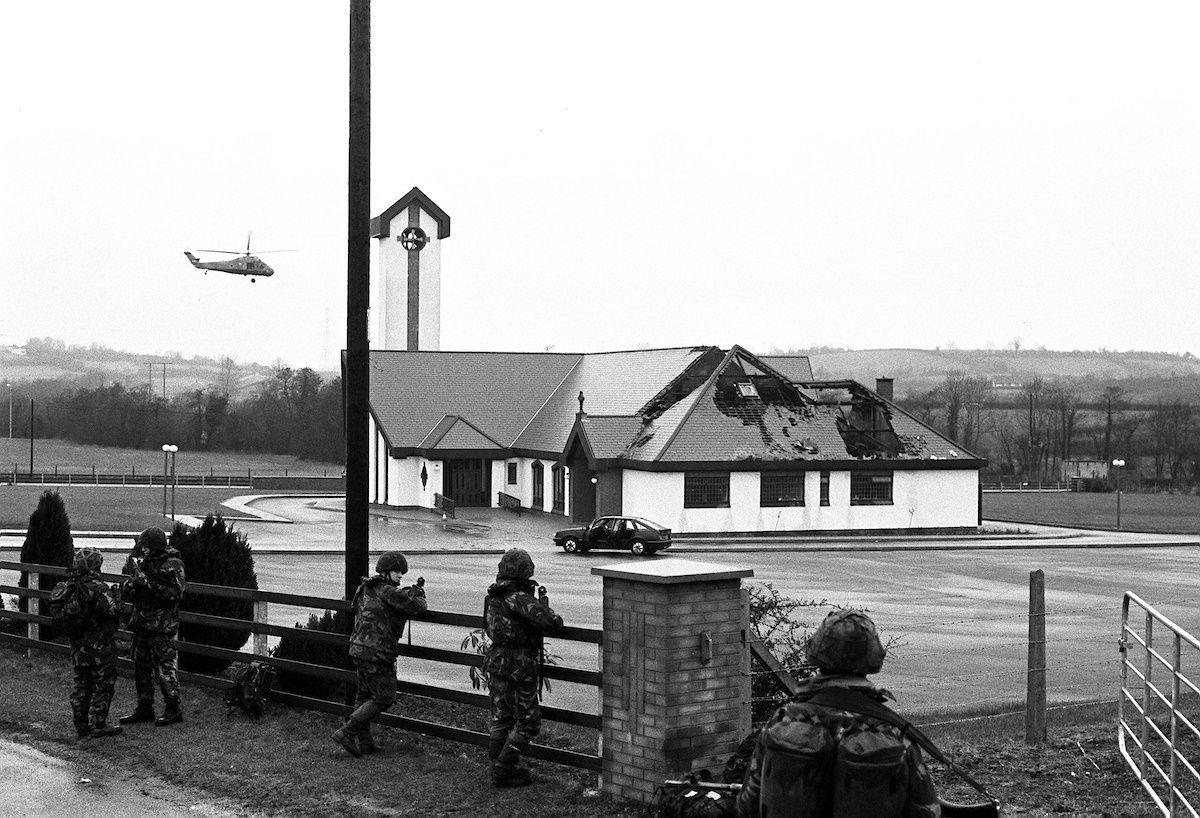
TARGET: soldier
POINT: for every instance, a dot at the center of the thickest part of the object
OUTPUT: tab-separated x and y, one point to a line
155	590
822	740
516	622
381	609
87	610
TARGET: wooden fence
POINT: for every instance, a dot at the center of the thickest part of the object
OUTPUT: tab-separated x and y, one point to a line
260	629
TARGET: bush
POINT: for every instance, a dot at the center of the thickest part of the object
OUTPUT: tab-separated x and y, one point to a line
315	653
47	542
214	554
773	622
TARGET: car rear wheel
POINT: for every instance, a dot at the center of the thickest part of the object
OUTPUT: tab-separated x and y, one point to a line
570	545
638	548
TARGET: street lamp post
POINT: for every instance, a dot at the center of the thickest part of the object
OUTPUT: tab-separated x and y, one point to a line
169	449
1118	464
10	391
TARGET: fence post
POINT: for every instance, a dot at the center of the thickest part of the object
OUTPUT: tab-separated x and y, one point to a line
33	629
1035	691
260	618
675	698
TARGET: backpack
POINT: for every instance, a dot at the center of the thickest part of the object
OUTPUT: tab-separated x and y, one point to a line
68	610
810	772
250	688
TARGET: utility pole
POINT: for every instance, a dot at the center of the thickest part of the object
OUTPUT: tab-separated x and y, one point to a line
31	438
358	282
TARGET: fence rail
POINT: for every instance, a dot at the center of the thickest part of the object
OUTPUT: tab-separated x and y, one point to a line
1169	729
1015	485
259	628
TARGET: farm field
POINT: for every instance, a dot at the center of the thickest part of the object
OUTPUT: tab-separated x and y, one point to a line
1153	513
111	508
49	454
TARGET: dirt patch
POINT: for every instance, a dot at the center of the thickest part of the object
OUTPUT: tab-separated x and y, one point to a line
286	763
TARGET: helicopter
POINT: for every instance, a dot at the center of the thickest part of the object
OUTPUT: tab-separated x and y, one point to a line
245	264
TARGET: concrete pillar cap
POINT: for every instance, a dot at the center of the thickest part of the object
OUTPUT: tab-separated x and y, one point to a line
671	571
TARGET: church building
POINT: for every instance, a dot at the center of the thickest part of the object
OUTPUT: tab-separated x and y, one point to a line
699	439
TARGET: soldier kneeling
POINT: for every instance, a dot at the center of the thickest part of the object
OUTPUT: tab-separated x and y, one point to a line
87	610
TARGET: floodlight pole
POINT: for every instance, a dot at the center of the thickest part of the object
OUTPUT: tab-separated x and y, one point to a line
358	282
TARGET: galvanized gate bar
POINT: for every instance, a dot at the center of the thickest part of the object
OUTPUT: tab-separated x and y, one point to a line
1134	705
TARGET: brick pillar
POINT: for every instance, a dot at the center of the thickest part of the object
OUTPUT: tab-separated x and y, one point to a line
676	693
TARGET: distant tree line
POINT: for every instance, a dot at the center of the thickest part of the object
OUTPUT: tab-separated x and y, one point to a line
292	412
1031	431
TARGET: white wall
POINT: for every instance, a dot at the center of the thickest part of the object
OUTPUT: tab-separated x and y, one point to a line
920	499
524	487
389	297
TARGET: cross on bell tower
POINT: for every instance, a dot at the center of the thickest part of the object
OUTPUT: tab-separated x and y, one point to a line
406	298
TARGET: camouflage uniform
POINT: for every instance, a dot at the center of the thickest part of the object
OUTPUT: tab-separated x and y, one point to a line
921	800
155	591
381	610
93	648
845	648
516	621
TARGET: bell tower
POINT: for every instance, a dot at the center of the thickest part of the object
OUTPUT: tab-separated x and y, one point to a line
406	297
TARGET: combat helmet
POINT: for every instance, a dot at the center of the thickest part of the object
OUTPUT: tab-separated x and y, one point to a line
515	564
87	559
846	642
392	561
152	541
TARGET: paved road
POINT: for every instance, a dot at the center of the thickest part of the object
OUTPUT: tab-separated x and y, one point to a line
34	783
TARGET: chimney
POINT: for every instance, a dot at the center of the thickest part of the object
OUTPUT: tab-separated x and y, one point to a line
883	387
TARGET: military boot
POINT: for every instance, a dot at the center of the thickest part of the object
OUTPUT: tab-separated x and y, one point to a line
102	730
171	715
347	736
79	716
505	772
142	713
366	741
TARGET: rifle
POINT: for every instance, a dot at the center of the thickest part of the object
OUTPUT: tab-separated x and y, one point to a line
856	702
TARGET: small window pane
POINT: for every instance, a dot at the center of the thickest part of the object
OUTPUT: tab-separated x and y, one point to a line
706	489
870	488
512	474
781	488
824	488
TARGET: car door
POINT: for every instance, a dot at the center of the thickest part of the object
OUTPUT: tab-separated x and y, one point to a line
599	533
623	534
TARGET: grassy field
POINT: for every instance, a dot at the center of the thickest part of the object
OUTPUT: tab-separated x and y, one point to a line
111	508
1156	513
66	456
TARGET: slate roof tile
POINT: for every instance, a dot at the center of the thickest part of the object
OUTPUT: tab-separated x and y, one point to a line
613	383
498	392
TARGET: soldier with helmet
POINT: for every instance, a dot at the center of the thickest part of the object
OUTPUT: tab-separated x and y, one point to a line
87	609
516	622
155	590
381	608
810	756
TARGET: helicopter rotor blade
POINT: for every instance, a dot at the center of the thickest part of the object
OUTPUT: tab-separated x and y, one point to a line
263	252
229	252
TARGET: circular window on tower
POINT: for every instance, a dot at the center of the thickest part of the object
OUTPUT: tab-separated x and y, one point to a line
414	238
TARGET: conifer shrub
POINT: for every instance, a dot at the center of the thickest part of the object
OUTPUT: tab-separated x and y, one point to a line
315	653
48	541
214	554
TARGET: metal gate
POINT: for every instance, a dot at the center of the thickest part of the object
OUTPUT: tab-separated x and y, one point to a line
1155	734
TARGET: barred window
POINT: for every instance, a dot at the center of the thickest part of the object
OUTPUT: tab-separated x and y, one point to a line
781	488
870	488
824	488
706	489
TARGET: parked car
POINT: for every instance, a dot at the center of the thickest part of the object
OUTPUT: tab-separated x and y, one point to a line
633	534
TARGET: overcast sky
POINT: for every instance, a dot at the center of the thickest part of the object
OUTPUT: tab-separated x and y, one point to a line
618	175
